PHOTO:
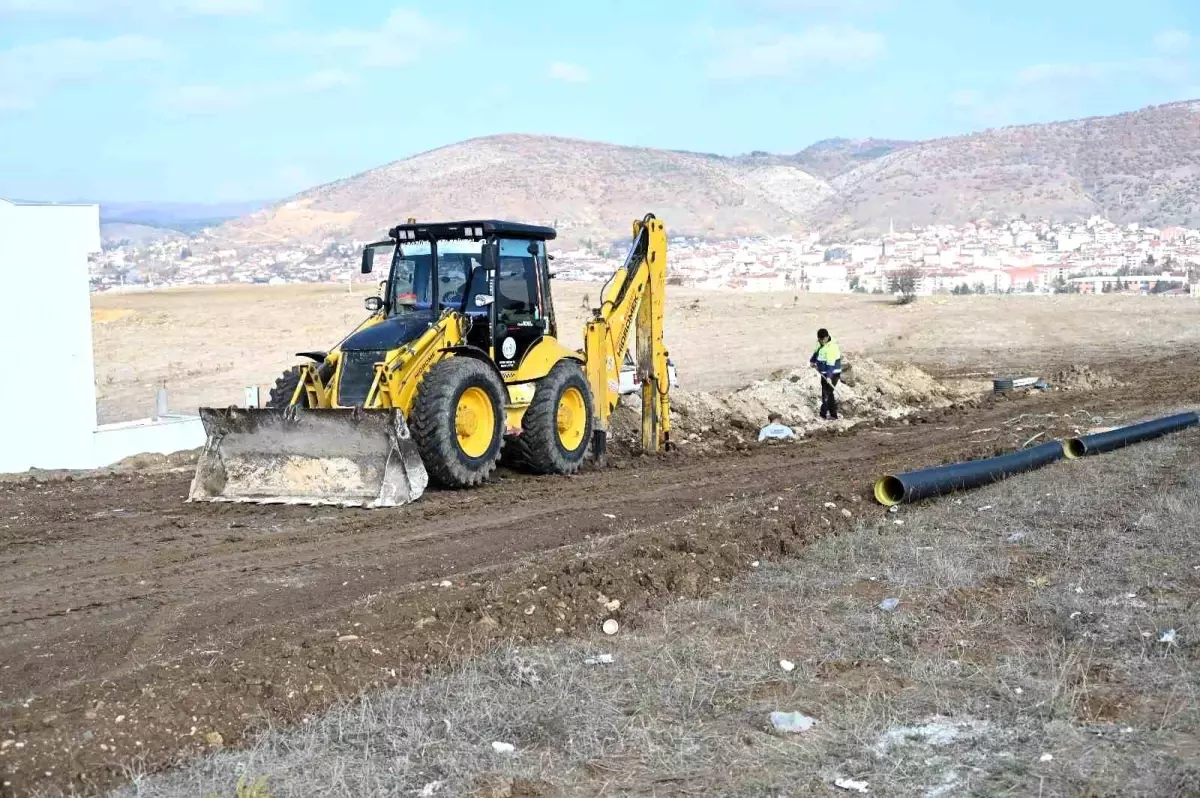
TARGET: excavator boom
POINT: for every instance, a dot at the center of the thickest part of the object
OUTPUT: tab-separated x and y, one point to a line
635	297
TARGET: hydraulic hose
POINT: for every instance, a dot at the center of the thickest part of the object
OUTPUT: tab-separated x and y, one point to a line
1124	436
913	486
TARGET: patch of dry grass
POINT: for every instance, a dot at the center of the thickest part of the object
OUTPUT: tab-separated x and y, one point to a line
1024	659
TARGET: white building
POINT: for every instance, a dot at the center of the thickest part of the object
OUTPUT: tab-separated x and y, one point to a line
48	415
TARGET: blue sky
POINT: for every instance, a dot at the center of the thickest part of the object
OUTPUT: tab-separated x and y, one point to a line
224	100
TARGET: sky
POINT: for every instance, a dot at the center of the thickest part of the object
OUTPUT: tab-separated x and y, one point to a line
230	100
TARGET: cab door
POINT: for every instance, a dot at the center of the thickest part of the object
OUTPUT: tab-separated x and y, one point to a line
520	316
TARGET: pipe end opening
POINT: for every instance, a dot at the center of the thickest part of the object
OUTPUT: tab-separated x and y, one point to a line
1073	448
889	491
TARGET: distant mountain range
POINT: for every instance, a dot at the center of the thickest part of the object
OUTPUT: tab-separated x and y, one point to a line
1138	166
182	216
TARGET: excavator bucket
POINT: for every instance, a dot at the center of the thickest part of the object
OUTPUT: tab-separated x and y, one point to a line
346	457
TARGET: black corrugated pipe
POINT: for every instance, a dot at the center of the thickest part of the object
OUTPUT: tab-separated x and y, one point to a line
1124	436
916	485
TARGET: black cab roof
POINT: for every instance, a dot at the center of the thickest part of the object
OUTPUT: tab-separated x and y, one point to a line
478	228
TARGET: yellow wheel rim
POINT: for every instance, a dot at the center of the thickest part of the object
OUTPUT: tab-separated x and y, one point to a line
572	418
474	422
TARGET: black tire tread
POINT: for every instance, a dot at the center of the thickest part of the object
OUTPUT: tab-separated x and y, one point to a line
537	448
432	421
285	386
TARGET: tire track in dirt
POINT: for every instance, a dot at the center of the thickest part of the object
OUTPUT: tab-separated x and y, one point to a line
239	599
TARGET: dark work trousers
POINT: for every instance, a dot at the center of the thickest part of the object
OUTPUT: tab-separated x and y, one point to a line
828	400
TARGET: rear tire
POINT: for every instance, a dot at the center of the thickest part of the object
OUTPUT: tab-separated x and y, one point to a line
459	403
285	387
558	423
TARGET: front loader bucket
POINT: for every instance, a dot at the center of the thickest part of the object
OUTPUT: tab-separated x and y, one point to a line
347	457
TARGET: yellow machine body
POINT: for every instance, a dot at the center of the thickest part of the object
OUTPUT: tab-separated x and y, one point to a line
365	425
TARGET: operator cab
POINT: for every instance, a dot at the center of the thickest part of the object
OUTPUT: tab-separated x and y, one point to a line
496	273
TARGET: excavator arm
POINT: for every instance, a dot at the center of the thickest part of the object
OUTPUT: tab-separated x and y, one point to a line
635	296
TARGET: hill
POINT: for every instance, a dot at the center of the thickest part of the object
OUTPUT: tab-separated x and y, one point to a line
831	157
591	190
114	234
1139	166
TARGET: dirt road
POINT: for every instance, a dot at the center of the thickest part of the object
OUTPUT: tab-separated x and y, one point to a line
137	628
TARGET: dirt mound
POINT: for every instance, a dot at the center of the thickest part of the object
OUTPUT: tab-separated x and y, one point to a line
869	392
1083	378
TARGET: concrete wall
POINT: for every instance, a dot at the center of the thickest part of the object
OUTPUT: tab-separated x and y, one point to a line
48	400
112	443
48	405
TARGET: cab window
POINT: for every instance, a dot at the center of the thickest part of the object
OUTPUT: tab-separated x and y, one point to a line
517	286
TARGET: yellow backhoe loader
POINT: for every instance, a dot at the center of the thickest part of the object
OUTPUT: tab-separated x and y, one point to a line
459	358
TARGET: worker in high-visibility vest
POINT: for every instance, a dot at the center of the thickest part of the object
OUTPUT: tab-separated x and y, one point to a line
827	360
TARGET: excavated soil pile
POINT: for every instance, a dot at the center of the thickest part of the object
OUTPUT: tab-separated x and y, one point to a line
1083	378
870	392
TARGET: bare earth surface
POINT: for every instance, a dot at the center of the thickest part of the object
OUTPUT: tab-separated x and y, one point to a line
207	345
138	628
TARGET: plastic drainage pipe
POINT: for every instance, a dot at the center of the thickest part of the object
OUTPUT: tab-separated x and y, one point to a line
1124	436
913	486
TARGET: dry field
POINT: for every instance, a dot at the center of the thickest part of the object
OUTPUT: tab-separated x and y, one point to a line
140	631
206	345
1044	644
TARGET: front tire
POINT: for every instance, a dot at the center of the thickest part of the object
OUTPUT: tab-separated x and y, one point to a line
458	421
557	426
285	388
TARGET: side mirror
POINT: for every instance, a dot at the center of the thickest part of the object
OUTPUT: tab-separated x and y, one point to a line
373	304
532	249
368	261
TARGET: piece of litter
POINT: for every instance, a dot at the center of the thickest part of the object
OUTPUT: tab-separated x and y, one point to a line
445	583
1016	536
609	515
852	784
889	604
599	659
754	564
430	788
847	513
830	506
347	638
792	722
1127	730
1167	637
787	665
1075	614
613	605
898	522
1047	757
610	627
503	748
985	507
893	509
530	610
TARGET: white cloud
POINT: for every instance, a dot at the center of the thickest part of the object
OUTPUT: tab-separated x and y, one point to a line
1172	42
762	52
211	99
810	6
569	73
1060	73
966	98
111	8
398	42
29	71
